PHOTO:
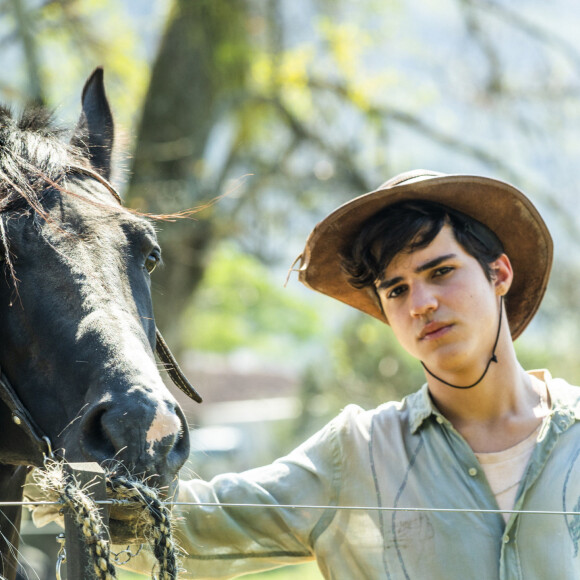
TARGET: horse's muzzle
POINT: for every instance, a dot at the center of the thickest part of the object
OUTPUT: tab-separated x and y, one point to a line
141	436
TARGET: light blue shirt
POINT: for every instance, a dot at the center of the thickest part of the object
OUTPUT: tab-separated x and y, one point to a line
399	455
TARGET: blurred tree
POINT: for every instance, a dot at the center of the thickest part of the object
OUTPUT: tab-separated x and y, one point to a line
363	365
319	101
202	62
327	100
49	48
238	304
24	31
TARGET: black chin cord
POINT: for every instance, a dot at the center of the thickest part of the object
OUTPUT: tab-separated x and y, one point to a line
492	359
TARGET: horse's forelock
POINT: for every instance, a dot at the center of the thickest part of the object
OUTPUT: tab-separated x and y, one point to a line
33	154
38	120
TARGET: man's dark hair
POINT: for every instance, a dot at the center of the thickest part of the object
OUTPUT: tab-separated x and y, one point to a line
408	226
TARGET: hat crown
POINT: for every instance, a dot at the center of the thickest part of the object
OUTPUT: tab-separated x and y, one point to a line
501	207
408	177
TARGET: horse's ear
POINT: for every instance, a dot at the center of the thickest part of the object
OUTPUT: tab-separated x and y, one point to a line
94	133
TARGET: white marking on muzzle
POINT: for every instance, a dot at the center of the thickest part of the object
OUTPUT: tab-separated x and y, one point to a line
164	424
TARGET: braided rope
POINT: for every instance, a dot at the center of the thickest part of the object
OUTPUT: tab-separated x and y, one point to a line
86	516
160	526
157	525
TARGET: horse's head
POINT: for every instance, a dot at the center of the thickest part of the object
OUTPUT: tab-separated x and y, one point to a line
77	333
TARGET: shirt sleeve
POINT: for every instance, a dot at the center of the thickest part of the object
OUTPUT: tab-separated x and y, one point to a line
222	542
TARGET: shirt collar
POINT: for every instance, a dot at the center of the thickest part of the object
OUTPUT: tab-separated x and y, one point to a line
564	399
420	407
565	402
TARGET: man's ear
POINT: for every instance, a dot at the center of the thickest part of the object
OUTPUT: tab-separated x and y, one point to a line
502	275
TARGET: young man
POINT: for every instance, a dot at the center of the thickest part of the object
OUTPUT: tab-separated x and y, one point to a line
455	481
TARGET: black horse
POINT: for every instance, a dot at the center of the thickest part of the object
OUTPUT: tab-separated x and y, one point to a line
78	376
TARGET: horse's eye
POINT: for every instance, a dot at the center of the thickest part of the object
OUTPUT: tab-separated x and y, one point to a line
152	261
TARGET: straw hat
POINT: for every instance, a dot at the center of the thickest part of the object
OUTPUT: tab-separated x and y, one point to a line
498	205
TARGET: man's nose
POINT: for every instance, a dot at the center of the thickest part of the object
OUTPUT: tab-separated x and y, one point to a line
423	301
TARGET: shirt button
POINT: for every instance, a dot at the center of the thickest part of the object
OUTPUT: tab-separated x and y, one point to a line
506	539
472	471
440	419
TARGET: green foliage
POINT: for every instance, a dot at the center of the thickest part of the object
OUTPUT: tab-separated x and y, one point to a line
102	38
239	305
555	353
66	40
364	364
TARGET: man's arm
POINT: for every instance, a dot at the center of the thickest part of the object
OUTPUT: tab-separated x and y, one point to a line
223	542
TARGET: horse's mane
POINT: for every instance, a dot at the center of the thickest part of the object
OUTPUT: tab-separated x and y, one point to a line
33	154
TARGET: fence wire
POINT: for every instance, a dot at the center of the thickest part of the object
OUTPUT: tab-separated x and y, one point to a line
313	507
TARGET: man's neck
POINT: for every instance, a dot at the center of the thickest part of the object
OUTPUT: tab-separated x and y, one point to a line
502	410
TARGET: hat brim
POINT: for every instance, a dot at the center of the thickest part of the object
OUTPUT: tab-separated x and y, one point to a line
498	205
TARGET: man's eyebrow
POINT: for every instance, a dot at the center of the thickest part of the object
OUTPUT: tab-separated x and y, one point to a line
432	263
426	266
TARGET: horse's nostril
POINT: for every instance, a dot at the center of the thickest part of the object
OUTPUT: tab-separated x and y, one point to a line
180	451
146	439
95	441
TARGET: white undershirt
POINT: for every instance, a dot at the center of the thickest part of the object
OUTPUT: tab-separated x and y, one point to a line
504	470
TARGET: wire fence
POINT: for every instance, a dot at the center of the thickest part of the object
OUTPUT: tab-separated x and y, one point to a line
116	502
78	558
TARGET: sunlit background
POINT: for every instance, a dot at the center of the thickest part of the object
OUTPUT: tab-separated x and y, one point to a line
267	114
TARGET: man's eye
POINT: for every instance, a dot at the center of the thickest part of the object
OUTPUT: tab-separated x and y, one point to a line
396	292
442	271
152	261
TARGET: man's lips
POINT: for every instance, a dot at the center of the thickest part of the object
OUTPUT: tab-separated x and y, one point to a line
434	330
